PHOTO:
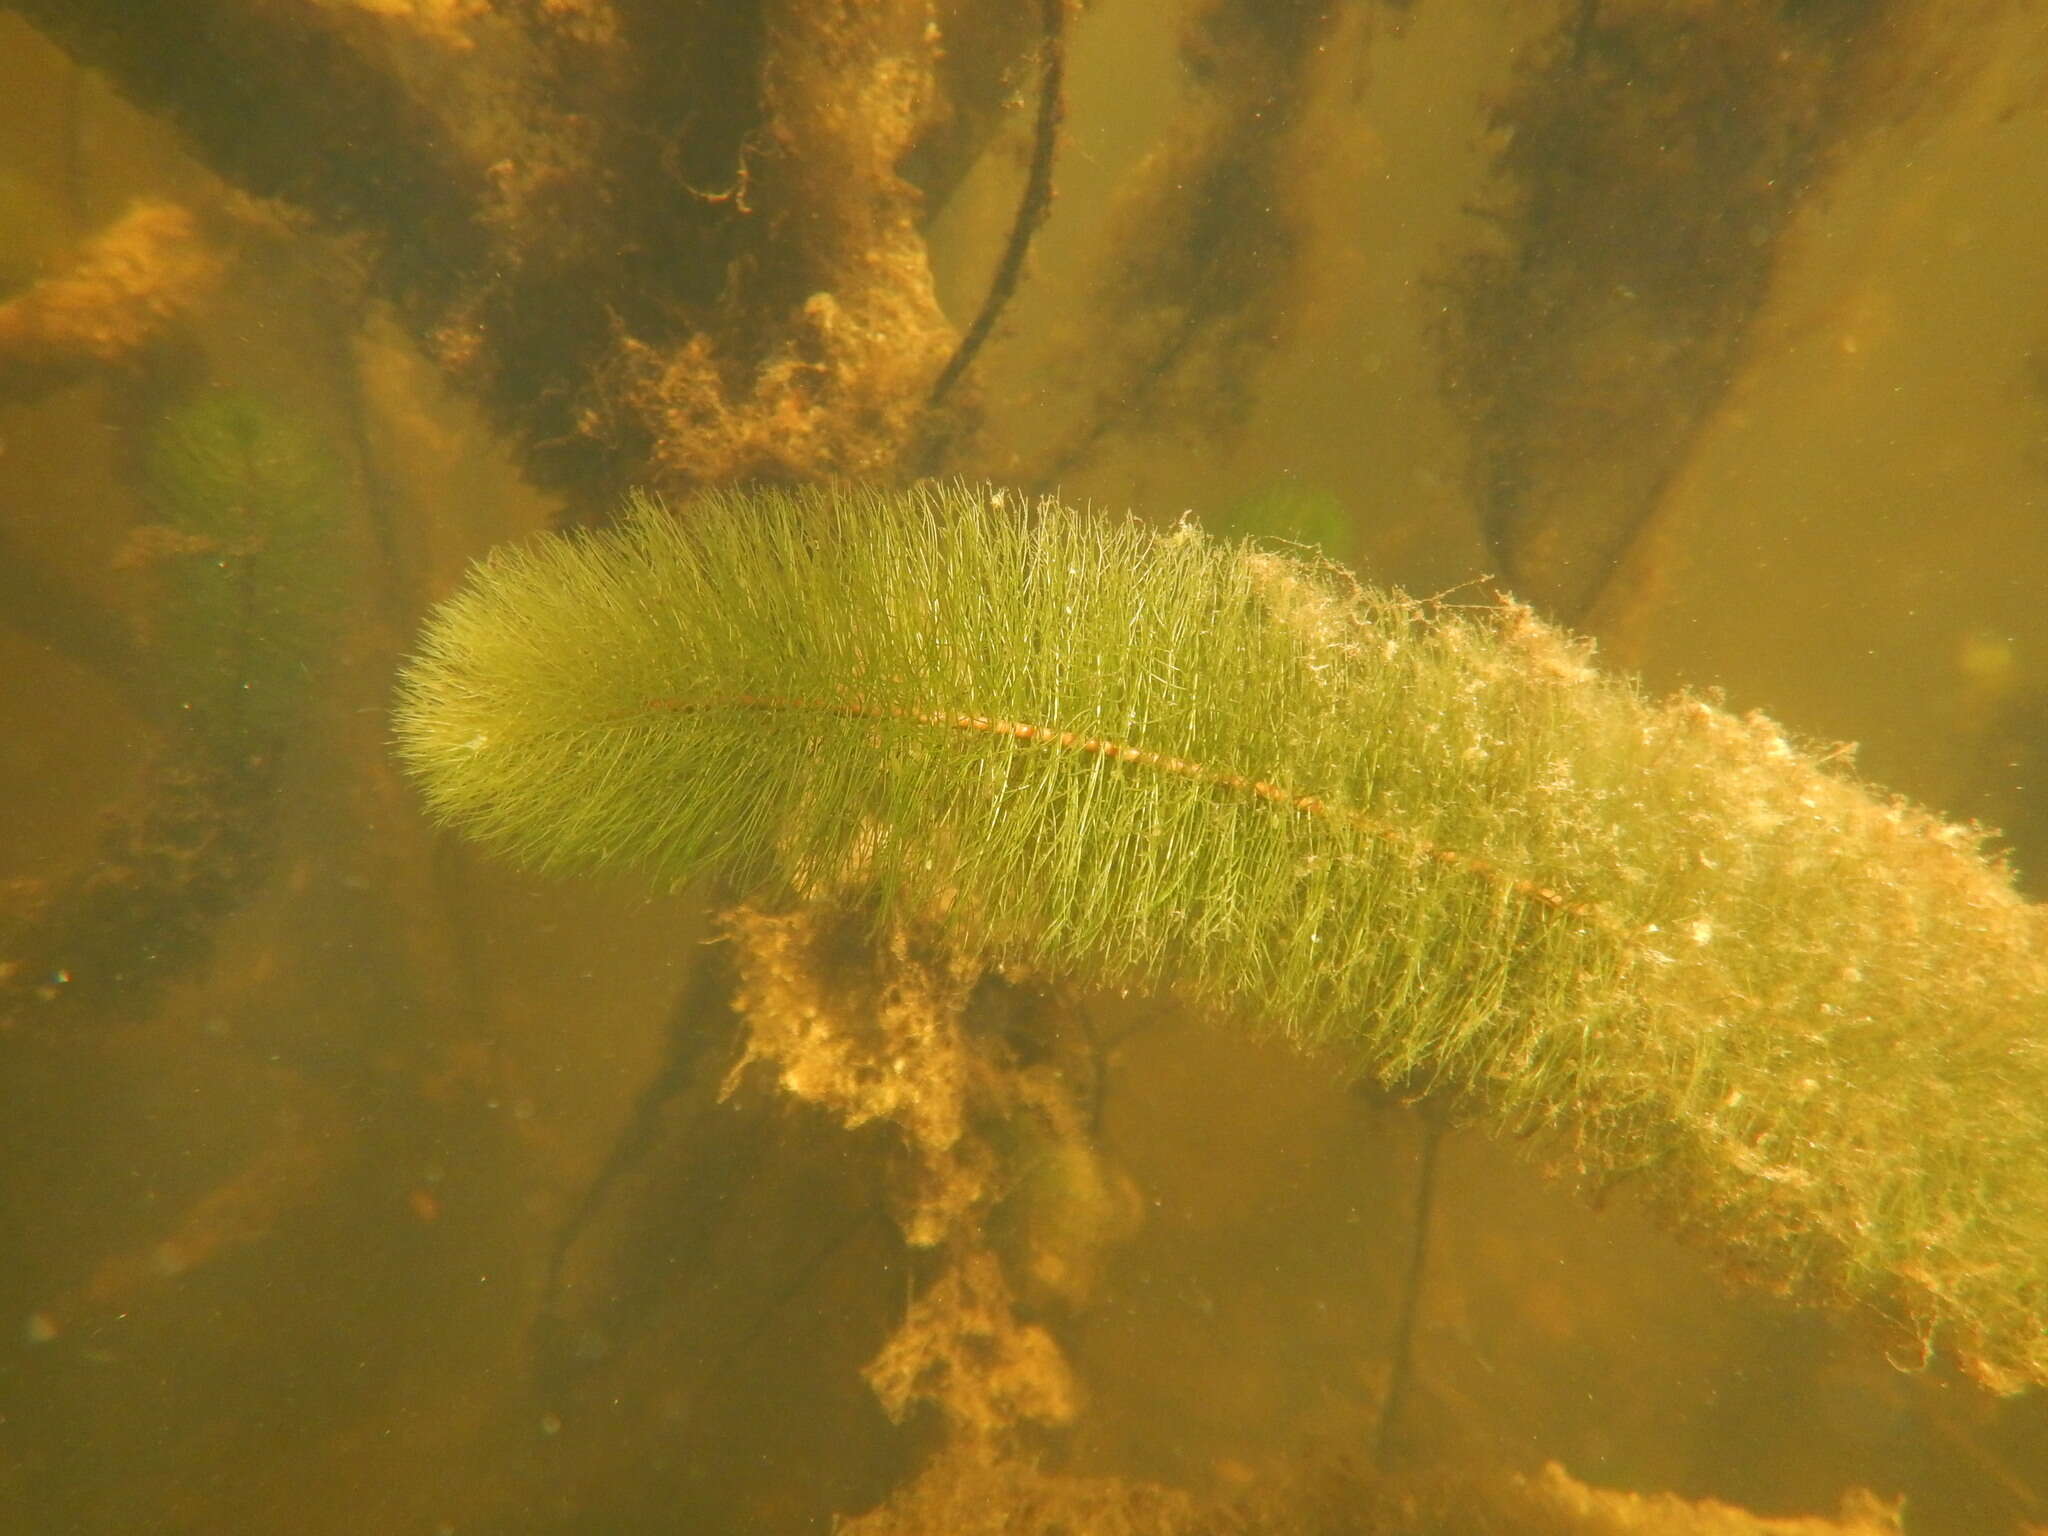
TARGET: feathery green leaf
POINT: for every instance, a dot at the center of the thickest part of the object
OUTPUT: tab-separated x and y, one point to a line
1815	1019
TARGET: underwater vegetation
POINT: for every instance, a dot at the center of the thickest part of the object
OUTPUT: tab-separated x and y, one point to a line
249	501
224	655
1050	1111
1653	160
1437	844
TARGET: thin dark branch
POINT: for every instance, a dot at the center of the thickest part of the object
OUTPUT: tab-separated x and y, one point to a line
1032	209
706	996
1401	1370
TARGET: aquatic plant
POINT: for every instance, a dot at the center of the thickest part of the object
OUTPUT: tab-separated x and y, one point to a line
1437	843
250	501
239	612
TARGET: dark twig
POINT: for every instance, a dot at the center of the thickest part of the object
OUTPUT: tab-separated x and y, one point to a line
1401	1369
1031	210
707	994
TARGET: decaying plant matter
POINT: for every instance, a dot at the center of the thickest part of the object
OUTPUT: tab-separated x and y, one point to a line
659	243
145	268
1653	161
1206	238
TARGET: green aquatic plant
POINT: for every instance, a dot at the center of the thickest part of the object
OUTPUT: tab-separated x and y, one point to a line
1812	1020
250	502
240	586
